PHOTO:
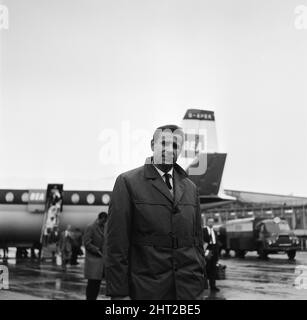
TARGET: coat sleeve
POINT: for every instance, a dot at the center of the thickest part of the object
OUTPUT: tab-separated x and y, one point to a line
199	229
118	240
89	246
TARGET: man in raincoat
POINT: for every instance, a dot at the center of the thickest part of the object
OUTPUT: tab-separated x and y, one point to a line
94	255
154	235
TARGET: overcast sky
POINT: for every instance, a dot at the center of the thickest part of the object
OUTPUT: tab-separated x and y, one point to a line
71	69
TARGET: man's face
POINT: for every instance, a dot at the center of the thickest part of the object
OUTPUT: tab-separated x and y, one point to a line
210	223
167	147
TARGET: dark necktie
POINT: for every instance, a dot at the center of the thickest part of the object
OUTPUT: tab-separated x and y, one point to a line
167	180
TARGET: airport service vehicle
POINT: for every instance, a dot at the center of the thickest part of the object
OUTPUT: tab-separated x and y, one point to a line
266	236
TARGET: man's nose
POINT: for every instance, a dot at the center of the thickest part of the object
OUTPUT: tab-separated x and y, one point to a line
168	149
168	152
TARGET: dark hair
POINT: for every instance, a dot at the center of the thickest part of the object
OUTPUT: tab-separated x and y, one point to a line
168	127
102	215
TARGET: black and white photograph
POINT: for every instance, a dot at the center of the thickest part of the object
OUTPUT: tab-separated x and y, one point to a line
153	150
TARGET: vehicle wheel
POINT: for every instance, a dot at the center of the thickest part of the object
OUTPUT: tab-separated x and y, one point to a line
291	254
263	254
240	253
227	253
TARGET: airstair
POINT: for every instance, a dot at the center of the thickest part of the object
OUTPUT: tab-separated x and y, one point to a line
50	230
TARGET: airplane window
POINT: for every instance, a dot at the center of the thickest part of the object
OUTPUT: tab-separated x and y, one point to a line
9	197
105	198
75	198
90	198
25	197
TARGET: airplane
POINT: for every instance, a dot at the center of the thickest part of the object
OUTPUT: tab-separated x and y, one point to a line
25	214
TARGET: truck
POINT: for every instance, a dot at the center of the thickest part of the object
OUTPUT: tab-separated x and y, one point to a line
264	235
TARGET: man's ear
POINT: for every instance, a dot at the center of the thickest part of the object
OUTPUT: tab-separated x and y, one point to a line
152	145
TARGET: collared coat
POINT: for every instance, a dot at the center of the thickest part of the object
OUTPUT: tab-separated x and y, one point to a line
154	241
94	252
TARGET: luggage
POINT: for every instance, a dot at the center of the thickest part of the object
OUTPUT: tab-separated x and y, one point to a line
208	255
220	272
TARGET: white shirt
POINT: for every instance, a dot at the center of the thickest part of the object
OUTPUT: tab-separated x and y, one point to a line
171	173
212	233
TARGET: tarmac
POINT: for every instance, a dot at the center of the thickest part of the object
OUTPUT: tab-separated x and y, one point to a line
246	279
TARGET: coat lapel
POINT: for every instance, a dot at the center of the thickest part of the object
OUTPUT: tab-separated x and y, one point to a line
156	180
161	186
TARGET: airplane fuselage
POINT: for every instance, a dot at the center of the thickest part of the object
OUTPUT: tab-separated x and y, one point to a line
22	218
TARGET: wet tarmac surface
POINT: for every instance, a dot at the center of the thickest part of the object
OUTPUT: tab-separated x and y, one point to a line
246	279
47	280
273	279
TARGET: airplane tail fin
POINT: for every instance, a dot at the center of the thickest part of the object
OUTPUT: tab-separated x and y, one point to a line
209	182
199	127
200	137
200	157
